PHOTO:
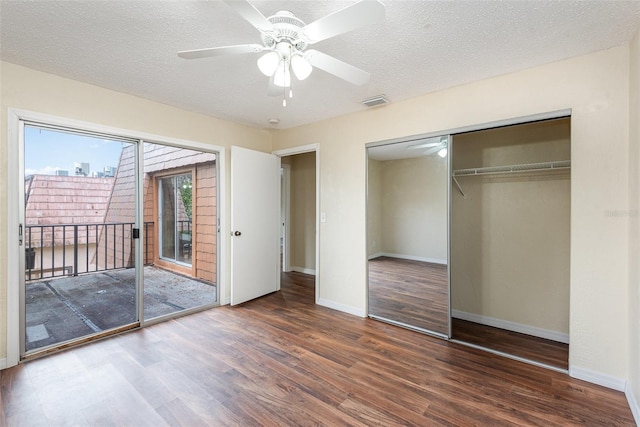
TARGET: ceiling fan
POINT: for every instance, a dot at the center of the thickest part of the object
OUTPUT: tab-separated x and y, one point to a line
285	39
431	146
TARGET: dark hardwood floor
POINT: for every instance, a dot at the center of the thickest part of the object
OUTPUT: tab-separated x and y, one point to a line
410	292
282	360
540	350
415	293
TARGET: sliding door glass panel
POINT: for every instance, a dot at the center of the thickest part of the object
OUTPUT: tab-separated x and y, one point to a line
407	232
79	216
167	214
181	186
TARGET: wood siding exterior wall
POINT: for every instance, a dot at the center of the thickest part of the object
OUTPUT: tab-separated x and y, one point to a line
205	222
163	161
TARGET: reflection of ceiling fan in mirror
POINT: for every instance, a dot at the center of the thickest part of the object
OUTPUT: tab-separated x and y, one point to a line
285	39
432	145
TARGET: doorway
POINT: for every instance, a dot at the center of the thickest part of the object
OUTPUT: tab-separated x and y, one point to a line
299	205
300	215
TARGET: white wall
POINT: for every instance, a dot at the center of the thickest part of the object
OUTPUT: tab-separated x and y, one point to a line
27	89
510	240
596	88
634	228
414	208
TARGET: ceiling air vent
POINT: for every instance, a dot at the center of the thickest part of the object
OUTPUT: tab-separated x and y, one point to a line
375	101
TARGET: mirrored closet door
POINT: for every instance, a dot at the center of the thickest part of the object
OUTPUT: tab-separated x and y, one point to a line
407	234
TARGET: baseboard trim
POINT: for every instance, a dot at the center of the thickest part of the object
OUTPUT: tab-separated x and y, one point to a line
511	326
598	378
3	363
409	257
304	270
633	402
342	307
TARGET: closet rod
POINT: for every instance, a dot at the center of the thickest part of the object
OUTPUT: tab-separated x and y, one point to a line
491	170
529	167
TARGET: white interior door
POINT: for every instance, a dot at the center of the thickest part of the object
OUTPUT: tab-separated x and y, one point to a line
255	224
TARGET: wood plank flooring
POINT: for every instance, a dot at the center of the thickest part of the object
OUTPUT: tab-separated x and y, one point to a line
282	360
410	292
526	346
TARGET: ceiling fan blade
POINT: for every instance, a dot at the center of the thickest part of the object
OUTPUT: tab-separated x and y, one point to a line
251	15
336	67
357	15
219	51
432	150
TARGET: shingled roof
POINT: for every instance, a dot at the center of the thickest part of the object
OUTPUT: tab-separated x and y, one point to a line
54	200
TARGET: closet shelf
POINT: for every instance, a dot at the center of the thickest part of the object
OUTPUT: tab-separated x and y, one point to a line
562	164
491	170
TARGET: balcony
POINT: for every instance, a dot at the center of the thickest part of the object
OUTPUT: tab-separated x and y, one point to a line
80	280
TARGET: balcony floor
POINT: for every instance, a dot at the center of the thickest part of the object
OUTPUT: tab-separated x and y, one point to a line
61	309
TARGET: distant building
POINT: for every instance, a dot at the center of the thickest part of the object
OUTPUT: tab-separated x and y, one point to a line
110	171
82	169
62	172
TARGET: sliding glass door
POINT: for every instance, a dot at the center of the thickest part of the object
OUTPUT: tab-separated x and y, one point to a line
116	232
181	221
80	222
175	209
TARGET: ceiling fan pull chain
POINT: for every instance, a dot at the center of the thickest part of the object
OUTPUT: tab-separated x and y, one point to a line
284	96
291	89
285	64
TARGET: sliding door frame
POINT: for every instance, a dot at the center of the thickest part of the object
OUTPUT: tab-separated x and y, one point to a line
15	194
450	133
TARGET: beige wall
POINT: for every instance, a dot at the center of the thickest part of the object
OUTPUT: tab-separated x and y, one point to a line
303	212
26	89
510	240
374	208
414	208
596	88
634	222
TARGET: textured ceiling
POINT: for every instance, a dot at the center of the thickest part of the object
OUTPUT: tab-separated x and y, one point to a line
422	46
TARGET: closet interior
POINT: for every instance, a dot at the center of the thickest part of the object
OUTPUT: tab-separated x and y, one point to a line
468	237
510	240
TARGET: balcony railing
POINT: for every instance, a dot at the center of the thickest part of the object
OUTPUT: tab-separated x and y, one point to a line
73	249
184	226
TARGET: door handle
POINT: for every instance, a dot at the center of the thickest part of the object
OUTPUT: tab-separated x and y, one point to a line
236	233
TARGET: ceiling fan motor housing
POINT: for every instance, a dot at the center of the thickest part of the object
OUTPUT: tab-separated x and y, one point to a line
288	29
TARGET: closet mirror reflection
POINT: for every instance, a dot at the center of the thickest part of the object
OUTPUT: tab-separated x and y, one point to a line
407	237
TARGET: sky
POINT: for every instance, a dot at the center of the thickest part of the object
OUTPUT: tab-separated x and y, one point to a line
47	150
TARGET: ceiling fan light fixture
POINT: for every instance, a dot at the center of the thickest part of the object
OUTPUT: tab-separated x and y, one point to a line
282	77
268	63
301	67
